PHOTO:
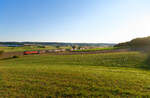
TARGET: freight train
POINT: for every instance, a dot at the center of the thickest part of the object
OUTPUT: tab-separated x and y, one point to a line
31	52
43	51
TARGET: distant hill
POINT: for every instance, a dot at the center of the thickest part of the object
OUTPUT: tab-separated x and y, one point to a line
58	43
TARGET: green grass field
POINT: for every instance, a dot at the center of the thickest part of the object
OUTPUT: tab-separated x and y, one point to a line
111	74
25	48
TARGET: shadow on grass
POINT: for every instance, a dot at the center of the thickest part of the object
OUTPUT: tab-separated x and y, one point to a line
13	57
146	62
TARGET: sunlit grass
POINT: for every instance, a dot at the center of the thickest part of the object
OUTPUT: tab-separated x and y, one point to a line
75	76
25	48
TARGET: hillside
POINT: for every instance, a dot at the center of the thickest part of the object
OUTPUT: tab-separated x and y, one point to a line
137	44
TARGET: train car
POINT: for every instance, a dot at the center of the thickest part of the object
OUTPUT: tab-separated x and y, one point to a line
57	50
30	52
41	51
50	51
63	50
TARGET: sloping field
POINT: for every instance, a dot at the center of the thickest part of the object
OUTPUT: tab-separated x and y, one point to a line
112	74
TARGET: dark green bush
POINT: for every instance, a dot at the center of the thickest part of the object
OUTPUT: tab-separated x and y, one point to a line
1	52
15	56
57	47
41	46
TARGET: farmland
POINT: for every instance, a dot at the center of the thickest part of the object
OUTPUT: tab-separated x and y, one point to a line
28	48
25	48
110	74
97	49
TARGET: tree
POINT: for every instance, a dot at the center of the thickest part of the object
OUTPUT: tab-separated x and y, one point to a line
74	47
57	47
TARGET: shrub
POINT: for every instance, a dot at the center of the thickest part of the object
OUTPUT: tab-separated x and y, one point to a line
68	50
15	56
41	46
147	61
57	47
1	52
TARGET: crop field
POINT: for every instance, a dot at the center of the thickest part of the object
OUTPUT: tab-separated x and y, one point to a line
97	49
123	74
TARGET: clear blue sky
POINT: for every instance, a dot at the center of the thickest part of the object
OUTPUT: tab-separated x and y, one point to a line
74	20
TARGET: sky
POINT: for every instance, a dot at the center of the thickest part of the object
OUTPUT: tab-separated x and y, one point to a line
88	21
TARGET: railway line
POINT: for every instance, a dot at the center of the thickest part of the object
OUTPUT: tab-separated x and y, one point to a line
57	52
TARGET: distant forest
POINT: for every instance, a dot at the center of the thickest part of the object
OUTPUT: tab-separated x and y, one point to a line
57	43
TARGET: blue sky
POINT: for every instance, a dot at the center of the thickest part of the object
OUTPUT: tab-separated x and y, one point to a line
95	21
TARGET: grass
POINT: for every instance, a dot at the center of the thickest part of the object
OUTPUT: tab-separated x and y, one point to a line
25	48
91	75
97	49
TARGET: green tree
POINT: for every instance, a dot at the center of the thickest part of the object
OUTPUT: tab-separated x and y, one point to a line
74	47
57	47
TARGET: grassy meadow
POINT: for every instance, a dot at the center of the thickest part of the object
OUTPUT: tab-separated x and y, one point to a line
123	74
25	48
